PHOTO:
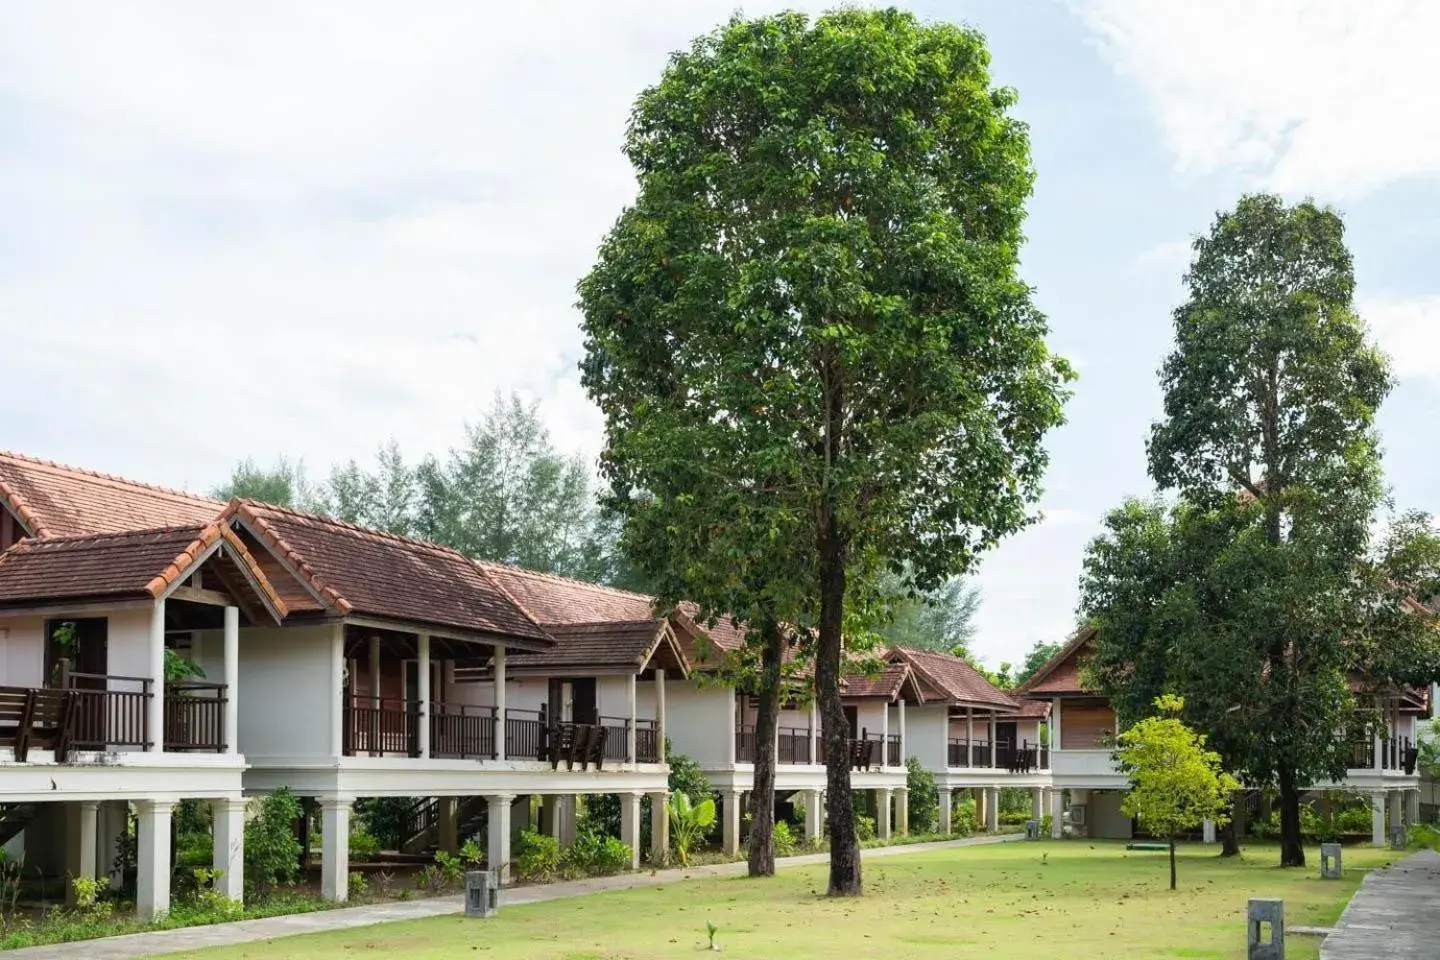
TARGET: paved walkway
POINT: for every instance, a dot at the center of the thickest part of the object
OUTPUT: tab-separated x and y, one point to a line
160	942
1395	915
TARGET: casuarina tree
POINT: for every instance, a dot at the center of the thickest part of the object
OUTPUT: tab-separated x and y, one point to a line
814	352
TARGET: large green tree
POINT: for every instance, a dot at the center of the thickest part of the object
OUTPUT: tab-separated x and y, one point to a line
815	355
283	484
942	619
1262	596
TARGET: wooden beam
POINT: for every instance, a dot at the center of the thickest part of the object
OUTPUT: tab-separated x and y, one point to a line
199	595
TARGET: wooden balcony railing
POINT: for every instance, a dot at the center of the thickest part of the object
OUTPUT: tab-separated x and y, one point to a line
795	745
892	751
617	738
647	741
195	716
389	729
1396	753
525	734
111	712
460	731
744	744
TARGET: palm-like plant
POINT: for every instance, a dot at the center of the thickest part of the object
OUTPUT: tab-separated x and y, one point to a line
688	823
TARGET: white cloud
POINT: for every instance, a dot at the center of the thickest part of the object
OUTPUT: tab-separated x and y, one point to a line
1407	328
266	228
1333	98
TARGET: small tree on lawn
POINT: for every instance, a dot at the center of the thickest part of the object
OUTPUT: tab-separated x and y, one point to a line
1176	784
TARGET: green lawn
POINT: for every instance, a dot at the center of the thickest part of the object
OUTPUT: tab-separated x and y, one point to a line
1045	900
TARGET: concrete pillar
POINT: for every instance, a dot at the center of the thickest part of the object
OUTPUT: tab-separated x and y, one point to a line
659	829
337	690
448	821
81	841
228	846
992	808
947	803
231	674
422	690
660	730
1377	818
550	815
814	816
497	836
374	670
155	709
1057	813
113	823
817	749
904	745
1412	807
1054	726
979	795
630	730
568	818
882	812
1397	809
902	811
730	728
1207	831
500	724
1037	803
152	841
335	849
730	810
630	826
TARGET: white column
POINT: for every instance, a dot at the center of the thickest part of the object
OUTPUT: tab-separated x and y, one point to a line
814	816
660	732
372	736
447	824
885	735
1037	804
1057	813
1054	727
232	680
882	812
500	724
155	714
551	813
422	690
994	760
497	836
568	819
947	802
659	829
1207	831
904	752
730	737
152	840
970	736
1377	818
730	810
630	826
902	810
337	690
630	738
1412	806
1397	809
82	830
229	846
992	807
335	849
817	750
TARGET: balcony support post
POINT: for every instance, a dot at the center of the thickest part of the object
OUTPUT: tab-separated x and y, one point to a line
630	826
155	709
232	680
500	724
152	860
335	848
947	803
902	811
228	846
631	734
1057	813
497	846
730	810
1377	818
422	690
660	734
883	796
992	809
659	828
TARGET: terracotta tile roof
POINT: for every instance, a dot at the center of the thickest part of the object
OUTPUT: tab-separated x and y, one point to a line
888	685
112	566
53	500
355	570
612	644
955	679
1033	710
1061	673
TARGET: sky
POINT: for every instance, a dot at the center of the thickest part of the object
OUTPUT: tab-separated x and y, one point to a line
264	229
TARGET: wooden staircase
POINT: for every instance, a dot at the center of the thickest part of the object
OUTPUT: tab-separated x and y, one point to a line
14	817
423	835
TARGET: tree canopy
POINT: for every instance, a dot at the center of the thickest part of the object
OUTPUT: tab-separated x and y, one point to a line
942	619
814	352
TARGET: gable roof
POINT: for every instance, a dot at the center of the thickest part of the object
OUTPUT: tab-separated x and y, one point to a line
1061	673
954	679
53	500
897	681
355	571
137	564
628	645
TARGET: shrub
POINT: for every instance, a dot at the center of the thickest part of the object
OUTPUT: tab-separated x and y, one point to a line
962	817
686	776
88	905
784	839
272	854
210	901
357	884
387	819
537	856
451	867
922	798
363	846
864	827
1353	820
595	854
472	855
599	813
1015	817
689	822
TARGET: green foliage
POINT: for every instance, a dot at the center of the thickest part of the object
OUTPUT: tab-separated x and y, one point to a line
599	813
1035	659
864	827
1427	736
1175	782
595	854
451	869
784	839
963	819
922	797
180	667
711	930
942	619
364	848
357	884
387	819
686	776
272	854
472	855
824	245
89	906
283	484
689	822
537	856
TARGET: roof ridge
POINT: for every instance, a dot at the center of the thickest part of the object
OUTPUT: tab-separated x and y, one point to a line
349	527
510	597
115	534
547	575
109	477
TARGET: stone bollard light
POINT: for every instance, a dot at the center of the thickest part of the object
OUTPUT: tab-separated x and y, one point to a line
1263	913
482	893
1330	866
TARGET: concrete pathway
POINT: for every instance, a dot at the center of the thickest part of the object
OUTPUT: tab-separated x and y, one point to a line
1395	915
161	942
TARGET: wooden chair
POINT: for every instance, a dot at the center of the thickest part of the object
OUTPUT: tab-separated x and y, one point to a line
562	742
598	737
44	719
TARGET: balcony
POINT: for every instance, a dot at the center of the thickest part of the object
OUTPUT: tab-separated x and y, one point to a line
391	728
1396	754
1001	755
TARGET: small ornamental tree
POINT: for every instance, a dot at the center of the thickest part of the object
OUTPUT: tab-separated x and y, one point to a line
1175	782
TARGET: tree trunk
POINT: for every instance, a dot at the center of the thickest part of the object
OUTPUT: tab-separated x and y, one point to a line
1292	852
762	791
1230	832
1172	863
844	845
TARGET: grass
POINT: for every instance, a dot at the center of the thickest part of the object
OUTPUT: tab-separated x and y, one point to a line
1045	899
